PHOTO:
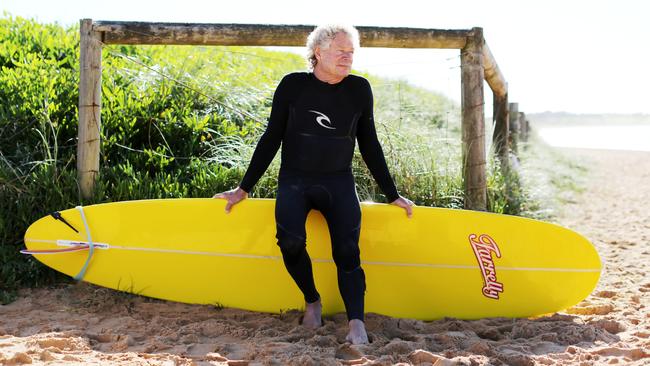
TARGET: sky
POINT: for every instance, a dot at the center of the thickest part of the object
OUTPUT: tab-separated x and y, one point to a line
556	55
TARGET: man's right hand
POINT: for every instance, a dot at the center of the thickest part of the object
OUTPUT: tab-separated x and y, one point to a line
233	197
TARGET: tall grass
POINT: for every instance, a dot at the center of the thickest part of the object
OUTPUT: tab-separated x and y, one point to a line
181	121
549	180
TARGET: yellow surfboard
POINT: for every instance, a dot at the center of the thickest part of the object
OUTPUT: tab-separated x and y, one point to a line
440	263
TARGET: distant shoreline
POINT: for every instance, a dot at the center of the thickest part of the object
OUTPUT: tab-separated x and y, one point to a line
556	119
608	132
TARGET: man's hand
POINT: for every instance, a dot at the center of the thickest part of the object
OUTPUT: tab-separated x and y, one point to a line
233	197
404	203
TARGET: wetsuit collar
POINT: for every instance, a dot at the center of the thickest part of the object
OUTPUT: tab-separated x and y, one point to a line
325	84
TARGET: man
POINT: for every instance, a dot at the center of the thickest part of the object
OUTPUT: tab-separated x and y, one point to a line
316	116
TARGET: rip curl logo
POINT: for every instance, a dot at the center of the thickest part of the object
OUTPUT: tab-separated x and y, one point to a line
483	247
322	117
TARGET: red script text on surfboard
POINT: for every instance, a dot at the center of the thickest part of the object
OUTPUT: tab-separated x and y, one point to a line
483	247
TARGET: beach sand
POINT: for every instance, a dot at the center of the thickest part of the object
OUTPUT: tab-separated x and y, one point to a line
83	324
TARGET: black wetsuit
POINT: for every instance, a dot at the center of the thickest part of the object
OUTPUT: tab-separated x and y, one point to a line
317	124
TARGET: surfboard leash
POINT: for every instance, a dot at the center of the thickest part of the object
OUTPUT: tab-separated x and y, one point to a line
57	216
91	246
75	248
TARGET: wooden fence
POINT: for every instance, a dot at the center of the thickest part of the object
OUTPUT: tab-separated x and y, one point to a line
477	65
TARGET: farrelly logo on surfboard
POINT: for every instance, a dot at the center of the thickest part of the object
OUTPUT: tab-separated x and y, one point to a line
483	247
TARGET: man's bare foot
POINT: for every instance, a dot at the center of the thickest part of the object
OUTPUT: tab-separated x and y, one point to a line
357	333
312	318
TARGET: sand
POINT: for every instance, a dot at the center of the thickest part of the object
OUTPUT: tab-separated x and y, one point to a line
83	324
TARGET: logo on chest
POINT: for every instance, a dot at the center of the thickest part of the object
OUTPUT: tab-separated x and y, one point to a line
323	120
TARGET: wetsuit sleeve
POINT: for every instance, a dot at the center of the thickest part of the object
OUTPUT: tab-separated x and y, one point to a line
271	139
372	152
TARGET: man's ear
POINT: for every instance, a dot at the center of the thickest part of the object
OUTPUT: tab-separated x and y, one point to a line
317	53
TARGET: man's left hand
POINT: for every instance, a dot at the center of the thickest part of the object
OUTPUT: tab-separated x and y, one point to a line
406	204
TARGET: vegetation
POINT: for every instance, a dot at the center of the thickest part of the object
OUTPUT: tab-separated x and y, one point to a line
549	180
181	121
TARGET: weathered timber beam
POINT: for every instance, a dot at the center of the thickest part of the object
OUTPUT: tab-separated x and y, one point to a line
268	35
493	75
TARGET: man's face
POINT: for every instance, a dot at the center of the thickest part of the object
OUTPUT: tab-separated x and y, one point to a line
336	61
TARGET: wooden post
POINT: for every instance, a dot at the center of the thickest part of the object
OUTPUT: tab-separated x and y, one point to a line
473	122
501	124
90	81
514	127
523	127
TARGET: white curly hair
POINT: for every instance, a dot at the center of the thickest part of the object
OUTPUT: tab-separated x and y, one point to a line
323	35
